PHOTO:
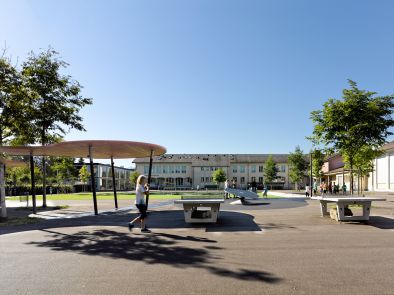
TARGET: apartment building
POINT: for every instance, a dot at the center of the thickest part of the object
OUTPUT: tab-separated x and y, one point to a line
192	171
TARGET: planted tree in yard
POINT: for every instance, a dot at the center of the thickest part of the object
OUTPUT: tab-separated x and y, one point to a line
55	101
270	171
298	166
133	177
84	175
317	162
219	176
360	119
12	111
363	163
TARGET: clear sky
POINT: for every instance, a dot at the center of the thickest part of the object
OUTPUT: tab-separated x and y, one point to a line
208	76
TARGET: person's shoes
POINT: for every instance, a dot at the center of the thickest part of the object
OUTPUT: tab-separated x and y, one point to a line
145	230
131	226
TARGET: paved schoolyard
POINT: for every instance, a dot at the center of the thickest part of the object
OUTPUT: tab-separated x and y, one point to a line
284	247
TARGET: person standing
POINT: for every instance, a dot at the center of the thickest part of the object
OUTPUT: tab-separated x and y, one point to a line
226	185
254	186
307	191
141	190
344	188
265	194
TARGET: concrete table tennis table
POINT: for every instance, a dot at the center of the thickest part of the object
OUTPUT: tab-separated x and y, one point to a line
343	202
200	210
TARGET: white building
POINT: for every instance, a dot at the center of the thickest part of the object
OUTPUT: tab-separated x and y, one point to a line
195	170
382	178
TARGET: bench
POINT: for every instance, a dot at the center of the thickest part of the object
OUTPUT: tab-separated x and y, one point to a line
200	210
342	204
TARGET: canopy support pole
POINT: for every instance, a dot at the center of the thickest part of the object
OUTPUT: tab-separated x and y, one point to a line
113	182
33	183
149	176
92	179
311	177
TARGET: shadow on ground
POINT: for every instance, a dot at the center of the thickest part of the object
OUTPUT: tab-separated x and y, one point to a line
381	222
228	221
154	248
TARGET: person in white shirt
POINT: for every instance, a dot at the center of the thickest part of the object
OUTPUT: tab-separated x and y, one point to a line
226	185
141	190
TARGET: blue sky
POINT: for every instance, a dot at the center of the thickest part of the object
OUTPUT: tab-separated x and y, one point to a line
208	76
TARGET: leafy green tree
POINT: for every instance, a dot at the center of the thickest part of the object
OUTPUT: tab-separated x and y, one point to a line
298	166
219	176
84	175
363	162
318	158
133	177
55	100
12	111
360	119
270	171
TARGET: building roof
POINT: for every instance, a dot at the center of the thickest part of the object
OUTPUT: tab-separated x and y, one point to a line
388	146
214	159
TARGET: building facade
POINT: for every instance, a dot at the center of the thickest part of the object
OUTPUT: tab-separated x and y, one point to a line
193	171
103	177
382	177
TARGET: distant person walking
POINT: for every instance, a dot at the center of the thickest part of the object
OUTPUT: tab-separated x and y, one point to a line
254	186
265	194
344	188
226	185
307	191
330	188
141	190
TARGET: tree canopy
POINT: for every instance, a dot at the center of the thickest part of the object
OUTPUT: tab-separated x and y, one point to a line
298	166
359	119
270	170
219	176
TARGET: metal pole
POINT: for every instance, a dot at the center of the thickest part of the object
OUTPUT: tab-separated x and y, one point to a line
33	185
311	177
93	181
113	182
149	176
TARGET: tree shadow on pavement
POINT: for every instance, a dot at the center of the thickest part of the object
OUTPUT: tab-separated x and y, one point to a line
154	248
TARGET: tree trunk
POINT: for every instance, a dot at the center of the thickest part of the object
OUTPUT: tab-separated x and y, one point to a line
44	173
351	177
3	214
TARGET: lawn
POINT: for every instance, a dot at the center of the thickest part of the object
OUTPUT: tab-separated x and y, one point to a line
127	196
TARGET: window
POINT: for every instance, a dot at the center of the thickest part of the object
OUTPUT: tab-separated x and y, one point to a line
282	168
183	169
171	170
206	179
159	169
261	168
177	169
165	169
202	179
253	179
235	169
260	180
211	168
242	180
202	168
242	168
146	169
253	168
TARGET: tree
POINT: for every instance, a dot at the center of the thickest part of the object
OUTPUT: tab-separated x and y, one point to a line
317	163
363	162
12	111
55	101
134	177
84	175
360	119
298	166
219	176
270	171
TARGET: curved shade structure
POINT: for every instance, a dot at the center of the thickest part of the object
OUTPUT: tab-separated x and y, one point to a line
101	149
23	150
104	149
